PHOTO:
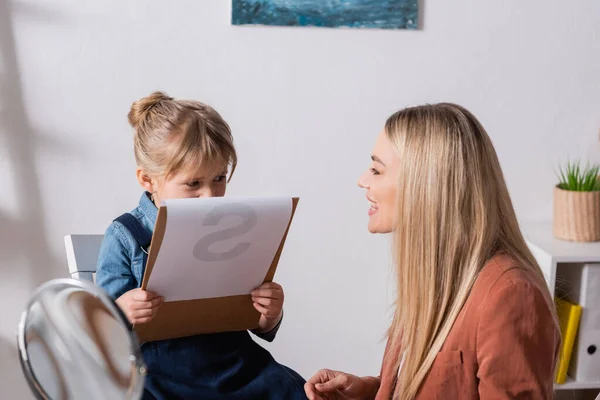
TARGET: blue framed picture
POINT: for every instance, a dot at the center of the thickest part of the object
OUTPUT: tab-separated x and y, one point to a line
378	14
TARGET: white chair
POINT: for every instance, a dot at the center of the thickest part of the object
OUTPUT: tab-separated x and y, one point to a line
82	255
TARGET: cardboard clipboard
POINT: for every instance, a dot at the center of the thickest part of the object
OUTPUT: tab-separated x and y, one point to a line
177	319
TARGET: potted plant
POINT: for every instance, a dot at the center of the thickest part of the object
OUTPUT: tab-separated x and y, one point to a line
577	203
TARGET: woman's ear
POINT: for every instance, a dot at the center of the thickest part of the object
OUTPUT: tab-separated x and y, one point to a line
145	180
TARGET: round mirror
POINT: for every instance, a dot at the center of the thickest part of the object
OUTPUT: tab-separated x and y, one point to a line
74	343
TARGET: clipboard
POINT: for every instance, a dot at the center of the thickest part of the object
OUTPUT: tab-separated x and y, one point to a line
176	319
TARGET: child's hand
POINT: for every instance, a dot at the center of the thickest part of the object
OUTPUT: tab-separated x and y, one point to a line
139	306
268	300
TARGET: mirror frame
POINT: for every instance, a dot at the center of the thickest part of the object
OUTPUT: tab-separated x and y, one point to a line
135	351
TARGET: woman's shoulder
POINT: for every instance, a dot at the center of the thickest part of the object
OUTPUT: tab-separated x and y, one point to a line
503	277
503	270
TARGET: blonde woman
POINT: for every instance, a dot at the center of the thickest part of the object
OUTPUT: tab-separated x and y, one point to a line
473	316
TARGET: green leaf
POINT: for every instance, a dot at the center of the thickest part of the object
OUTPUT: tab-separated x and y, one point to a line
574	177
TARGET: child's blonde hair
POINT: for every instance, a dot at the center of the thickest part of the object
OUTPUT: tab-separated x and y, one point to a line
171	135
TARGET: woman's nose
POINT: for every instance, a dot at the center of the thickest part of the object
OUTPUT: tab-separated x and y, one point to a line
363	181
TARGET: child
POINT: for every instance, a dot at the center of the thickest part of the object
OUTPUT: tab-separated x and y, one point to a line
184	149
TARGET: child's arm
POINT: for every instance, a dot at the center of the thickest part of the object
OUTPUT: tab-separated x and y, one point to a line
113	272
268	300
114	275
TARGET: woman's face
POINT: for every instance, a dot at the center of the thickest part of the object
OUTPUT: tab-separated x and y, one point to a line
380	182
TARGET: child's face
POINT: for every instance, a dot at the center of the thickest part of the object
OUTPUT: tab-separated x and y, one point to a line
188	183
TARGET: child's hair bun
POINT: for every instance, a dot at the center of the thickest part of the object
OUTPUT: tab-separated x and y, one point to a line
140	109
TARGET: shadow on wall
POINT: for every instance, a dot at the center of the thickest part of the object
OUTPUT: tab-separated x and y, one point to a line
24	250
25	256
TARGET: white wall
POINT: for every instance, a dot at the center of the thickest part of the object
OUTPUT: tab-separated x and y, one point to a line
305	106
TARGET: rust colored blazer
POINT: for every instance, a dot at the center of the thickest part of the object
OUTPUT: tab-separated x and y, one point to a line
503	345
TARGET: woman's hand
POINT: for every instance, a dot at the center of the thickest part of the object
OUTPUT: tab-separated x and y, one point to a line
139	306
336	385
268	300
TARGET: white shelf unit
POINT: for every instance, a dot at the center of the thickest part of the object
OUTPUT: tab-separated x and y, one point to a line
552	254
570	384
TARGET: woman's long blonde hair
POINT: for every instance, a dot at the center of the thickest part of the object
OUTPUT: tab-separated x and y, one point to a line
453	214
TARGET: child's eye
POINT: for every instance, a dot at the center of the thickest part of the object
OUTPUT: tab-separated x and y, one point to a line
193	184
374	171
220	178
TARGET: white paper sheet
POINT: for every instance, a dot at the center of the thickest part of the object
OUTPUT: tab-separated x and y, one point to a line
218	247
